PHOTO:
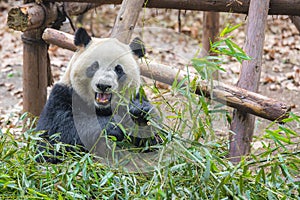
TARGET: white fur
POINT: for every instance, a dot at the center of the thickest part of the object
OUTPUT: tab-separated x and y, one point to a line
108	53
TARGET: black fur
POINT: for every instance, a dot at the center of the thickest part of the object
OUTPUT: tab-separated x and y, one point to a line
65	113
138	48
139	109
64	105
82	38
58	115
119	71
91	70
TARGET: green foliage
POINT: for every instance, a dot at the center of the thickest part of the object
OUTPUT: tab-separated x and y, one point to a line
226	46
194	163
198	170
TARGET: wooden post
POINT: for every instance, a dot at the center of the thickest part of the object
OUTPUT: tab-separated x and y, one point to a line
126	20
210	30
35	62
34	71
242	125
296	21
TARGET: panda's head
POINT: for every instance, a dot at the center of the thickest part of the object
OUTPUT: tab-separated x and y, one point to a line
103	70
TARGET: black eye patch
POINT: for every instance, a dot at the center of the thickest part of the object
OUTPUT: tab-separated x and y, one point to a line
91	70
119	71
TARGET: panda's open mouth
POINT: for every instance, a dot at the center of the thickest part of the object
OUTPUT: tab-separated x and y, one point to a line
102	99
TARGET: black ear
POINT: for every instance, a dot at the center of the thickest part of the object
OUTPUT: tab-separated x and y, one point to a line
82	38
137	47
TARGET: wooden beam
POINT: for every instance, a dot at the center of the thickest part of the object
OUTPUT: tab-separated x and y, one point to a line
277	7
232	96
30	16
243	123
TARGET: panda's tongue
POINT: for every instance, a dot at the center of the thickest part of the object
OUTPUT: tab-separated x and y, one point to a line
103	98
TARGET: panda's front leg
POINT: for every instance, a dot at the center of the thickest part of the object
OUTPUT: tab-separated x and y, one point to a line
111	127
140	109
114	130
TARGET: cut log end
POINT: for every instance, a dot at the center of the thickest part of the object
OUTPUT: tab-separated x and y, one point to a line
17	19
27	17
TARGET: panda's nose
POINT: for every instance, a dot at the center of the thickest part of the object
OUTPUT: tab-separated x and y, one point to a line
103	87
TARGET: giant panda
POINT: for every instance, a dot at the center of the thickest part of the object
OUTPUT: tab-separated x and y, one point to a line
98	100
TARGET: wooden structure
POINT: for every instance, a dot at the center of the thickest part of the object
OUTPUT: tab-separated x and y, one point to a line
32	18
243	123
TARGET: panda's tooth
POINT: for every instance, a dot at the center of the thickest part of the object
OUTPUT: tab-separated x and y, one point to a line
102	98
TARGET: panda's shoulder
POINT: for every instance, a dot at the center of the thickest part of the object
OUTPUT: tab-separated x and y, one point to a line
60	95
58	103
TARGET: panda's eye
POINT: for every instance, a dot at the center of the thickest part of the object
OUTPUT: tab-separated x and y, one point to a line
119	71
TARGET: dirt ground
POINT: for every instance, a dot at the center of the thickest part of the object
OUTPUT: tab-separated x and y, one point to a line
280	78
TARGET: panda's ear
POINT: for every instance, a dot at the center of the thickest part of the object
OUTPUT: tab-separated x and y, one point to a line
138	48
81	37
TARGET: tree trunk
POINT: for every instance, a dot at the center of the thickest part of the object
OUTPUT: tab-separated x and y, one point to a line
243	123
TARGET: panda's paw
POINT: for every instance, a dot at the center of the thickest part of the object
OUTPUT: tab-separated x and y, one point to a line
140	111
115	131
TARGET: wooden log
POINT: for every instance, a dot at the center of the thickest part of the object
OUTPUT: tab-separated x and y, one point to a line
277	7
31	16
243	123
59	38
232	96
72	8
21	18
126	20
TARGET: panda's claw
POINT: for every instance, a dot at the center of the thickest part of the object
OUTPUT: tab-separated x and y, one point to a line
114	130
140	111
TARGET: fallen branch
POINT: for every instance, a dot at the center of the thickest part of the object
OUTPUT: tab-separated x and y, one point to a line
232	96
